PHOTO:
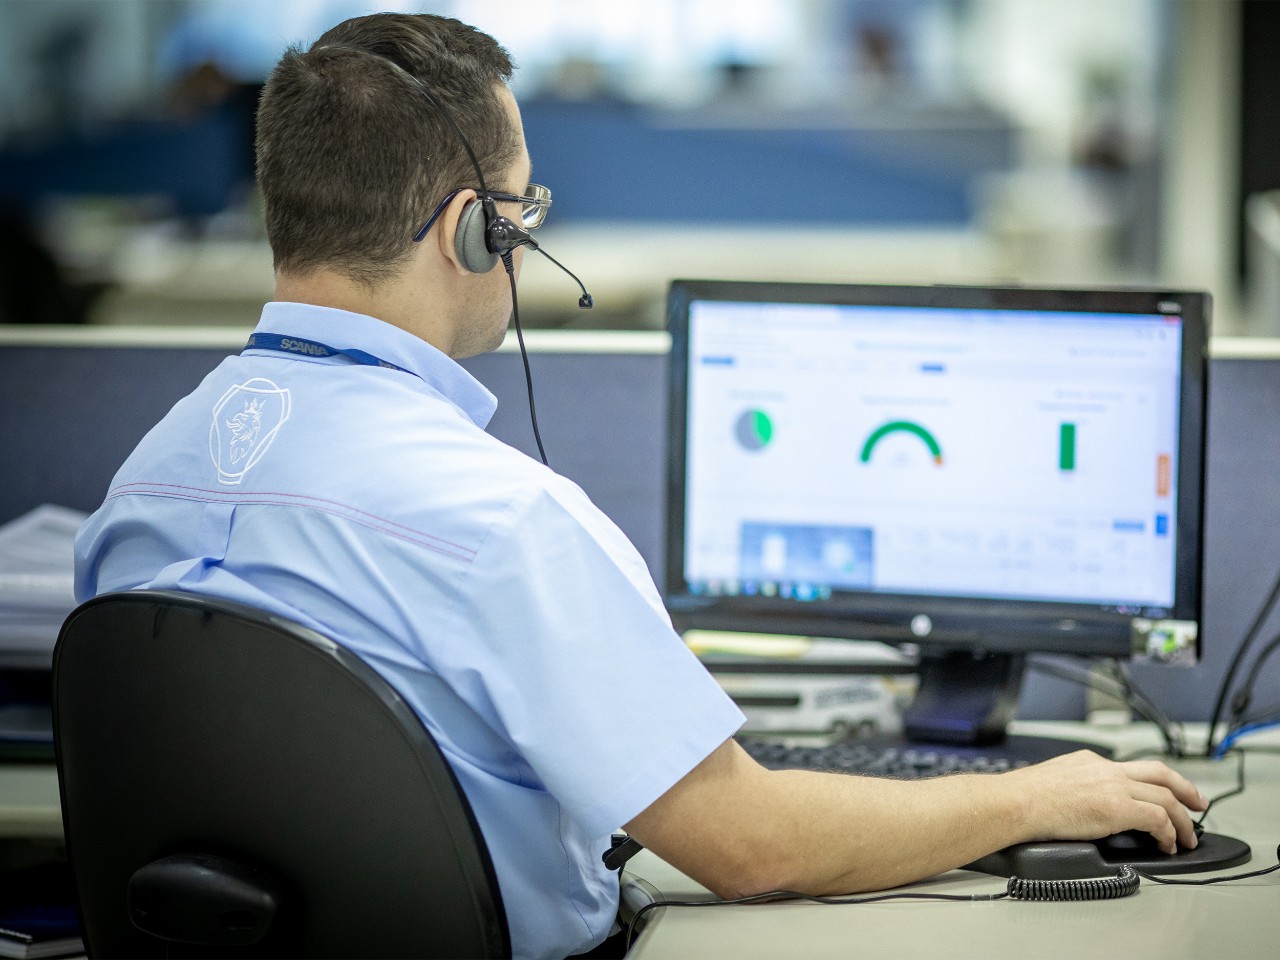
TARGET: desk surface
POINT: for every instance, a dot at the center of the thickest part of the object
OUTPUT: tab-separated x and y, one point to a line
1233	920
29	803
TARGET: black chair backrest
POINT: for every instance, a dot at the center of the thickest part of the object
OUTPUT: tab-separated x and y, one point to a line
196	736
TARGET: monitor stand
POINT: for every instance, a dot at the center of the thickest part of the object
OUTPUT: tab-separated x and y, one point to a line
964	703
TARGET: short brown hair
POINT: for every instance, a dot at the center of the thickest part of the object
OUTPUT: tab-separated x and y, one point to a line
352	156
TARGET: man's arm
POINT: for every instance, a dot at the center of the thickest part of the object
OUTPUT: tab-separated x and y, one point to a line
739	829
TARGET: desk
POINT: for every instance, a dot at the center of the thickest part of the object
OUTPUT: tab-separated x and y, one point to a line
1234	920
29	804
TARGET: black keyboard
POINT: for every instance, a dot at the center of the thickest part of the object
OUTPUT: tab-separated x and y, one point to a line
901	762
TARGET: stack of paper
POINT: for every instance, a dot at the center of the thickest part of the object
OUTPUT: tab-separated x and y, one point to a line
36	932
36	594
38	912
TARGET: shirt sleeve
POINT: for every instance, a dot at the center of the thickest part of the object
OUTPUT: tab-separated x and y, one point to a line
562	631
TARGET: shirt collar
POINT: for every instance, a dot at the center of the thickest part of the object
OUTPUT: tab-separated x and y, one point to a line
345	330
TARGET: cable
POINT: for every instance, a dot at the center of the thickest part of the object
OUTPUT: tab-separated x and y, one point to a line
491	214
1240	702
524	354
1269	649
1171	730
1263	612
1227	741
1233	792
1238	789
776	895
1258	716
1123	884
1124	690
1175	741
1200	883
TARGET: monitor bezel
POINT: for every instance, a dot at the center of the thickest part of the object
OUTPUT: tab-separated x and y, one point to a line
953	623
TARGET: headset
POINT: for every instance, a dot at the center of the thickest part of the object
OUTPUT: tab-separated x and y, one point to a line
484	236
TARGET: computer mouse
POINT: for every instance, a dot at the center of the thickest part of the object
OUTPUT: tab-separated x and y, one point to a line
1119	846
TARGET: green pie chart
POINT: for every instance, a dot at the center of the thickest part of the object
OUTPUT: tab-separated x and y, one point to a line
754	430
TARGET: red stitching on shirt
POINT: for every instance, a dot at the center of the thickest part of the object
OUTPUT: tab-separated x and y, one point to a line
384	526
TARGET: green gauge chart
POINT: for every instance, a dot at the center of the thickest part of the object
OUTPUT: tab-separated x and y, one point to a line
902	426
754	430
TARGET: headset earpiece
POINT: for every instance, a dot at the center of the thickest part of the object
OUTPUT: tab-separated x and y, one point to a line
483	237
471	241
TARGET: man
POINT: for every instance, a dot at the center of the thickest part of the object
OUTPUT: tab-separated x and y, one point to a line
337	473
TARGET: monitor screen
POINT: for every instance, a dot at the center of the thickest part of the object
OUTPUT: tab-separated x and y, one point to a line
1011	469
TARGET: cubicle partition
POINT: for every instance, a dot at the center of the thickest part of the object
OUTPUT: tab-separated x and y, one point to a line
74	402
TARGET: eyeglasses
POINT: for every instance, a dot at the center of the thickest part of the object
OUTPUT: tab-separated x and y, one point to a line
533	207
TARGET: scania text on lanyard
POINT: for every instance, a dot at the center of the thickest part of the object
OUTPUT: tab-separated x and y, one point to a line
299	346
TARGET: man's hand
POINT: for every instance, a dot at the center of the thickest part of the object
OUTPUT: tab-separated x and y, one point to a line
1081	796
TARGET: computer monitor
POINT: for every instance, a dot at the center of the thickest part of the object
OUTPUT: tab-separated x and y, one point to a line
982	473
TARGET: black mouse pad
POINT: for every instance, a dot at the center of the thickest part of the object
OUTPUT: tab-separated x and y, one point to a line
1077	860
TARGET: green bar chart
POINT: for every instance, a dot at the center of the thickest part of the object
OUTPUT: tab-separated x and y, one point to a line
1066	447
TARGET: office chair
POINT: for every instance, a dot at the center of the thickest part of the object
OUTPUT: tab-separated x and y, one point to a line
235	785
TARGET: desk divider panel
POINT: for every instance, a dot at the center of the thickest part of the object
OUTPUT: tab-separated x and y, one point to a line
72	408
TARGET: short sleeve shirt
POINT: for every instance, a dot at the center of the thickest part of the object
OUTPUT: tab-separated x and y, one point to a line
368	503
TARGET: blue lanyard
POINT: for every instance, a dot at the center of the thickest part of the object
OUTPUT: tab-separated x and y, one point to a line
310	348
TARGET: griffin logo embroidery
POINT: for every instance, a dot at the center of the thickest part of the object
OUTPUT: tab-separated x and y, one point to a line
245	427
246	421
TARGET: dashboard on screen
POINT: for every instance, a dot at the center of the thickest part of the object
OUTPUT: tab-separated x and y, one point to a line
1022	461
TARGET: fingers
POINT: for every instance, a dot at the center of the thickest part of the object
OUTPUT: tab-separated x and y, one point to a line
1164	817
1152	818
1154	772
1166	796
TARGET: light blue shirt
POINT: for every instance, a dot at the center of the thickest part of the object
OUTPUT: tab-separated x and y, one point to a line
369	504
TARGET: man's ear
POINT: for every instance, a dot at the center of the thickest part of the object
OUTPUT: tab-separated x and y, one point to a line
447	229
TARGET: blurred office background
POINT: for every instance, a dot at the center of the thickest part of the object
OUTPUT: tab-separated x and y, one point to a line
1036	141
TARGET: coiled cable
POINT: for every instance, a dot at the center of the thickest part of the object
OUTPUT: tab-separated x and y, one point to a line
1123	884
